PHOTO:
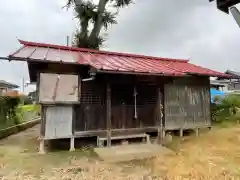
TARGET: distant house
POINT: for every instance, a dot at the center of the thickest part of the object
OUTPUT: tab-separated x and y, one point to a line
221	85
6	87
232	84
216	84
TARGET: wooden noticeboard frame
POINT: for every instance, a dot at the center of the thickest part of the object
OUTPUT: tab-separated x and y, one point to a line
59	88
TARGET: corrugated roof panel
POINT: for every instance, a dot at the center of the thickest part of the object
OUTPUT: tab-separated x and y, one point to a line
111	61
83	58
87	58
53	55
24	52
67	56
191	68
38	53
157	65
138	65
132	66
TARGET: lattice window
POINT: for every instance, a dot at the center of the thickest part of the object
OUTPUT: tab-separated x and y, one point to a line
92	93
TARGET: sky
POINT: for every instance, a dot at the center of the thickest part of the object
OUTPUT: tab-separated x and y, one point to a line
190	29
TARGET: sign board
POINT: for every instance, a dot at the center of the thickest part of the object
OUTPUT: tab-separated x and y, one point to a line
58	88
58	122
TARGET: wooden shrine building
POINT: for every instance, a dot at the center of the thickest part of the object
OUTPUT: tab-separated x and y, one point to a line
87	93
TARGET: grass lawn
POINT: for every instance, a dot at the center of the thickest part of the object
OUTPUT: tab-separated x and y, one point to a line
213	155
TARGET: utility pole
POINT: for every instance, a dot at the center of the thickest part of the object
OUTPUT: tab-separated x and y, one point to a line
67	40
23	85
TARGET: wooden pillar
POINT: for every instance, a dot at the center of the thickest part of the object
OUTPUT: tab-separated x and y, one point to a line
42	107
108	114
160	117
181	133
135	102
72	144
43	121
197	132
42	147
163	133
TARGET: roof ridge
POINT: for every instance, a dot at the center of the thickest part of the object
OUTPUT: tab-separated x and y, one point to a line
8	83
28	43
232	71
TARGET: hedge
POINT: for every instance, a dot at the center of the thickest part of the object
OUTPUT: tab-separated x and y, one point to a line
8	106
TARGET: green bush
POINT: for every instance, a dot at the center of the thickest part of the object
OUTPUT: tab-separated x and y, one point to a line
225	109
33	109
8	108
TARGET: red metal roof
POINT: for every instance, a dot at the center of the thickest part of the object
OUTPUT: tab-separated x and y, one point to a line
109	61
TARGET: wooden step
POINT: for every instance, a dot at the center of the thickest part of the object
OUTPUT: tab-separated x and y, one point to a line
123	137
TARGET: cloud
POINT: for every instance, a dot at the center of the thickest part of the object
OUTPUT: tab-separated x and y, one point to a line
192	29
38	20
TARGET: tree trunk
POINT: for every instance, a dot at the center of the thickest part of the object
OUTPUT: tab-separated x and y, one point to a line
98	24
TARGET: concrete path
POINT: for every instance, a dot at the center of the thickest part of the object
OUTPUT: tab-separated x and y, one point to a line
131	152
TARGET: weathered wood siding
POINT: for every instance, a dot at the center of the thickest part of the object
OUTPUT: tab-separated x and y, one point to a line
123	108
58	88
147	106
91	112
58	122
187	106
186	103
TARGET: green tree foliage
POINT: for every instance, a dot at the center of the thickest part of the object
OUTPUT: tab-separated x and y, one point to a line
32	95
8	107
25	100
226	108
96	15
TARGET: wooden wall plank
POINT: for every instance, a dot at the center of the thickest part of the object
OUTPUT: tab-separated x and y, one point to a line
187	105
